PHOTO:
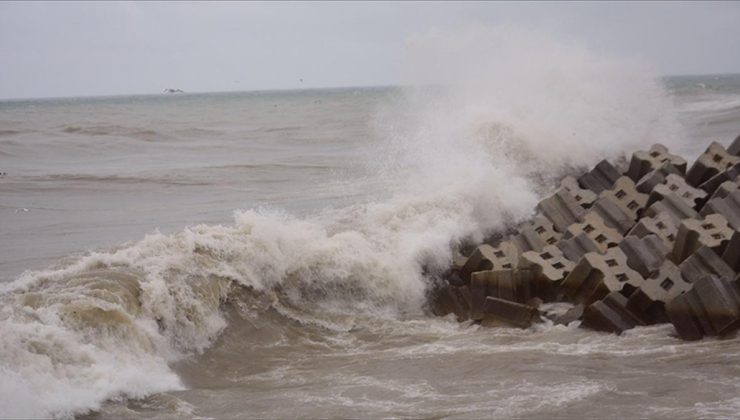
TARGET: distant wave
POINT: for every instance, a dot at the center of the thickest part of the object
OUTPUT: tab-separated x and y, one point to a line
114	130
9	132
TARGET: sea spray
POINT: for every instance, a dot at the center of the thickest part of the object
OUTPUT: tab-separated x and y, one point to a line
486	114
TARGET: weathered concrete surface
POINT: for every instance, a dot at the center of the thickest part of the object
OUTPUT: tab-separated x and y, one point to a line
513	285
644	255
613	215
712	232
645	161
705	262
486	257
573	314
561	209
648	301
693	197
625	195
729	207
549	266
594	227
731	254
535	235
674	206
713	161
646	184
452	300
662	225
498	312
610	314
711	307
576	247
601	177
584	197
597	275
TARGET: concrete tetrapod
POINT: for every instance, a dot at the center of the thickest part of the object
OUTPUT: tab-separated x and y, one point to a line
597	275
713	161
711	307
643	162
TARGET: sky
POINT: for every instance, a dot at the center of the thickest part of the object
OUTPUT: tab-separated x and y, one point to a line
62	49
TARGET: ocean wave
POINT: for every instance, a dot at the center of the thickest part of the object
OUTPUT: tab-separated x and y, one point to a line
114	130
468	159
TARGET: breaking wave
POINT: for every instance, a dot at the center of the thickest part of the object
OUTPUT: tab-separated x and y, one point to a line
488	118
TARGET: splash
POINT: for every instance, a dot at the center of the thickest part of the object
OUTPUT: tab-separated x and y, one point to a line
487	115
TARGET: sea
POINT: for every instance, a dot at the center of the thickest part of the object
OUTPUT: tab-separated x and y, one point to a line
270	254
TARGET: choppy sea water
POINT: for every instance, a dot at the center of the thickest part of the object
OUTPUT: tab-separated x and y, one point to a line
267	254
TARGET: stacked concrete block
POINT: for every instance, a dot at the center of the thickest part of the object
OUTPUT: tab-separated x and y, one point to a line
726	188
656	177
644	255
710	308
645	161
549	266
535	235
648	301
500	312
662	225
712	232
734	148
693	197
712	183
573	314
601	177
613	215
609	314
626	196
712	162
597	275
561	209
594	228
513	285
705	262
576	247
728	207
584	197
731	254
486	257
674	206
452	300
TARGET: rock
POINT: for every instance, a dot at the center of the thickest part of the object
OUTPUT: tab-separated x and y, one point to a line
712	232
498	312
609	314
561	209
645	161
601	177
597	275
713	161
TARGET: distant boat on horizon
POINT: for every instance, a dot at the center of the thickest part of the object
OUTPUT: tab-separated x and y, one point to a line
170	90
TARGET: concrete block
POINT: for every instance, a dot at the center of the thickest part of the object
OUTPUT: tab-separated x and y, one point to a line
601	177
728	207
644	255
513	285
573	314
549	266
713	161
678	186
648	301
712	183
704	262
712	232
613	215
452	299
710	308
486	257
734	148
535	235
662	225
645	161
626	196
597	275
646	184
731	254
609	314
561	209
726	188
501	312
674	206
594	227
585	198
576	247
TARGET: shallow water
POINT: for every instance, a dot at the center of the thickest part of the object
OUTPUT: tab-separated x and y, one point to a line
309	301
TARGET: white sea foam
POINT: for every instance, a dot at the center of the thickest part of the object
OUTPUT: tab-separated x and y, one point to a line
493	110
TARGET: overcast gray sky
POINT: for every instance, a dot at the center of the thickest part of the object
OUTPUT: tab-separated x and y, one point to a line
78	49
